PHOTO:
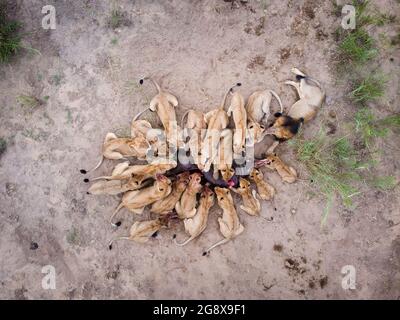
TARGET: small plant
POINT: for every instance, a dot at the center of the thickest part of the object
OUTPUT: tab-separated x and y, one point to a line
73	236
375	18
368	89
118	19
395	41
384	183
361	7
366	126
381	19
370	128
115	19
362	18
56	79
69	115
392	121
10	40
28	101
3	146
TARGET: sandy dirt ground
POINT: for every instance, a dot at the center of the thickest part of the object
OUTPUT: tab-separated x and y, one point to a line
197	49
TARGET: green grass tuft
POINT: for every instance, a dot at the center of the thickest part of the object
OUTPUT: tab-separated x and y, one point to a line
56	79
10	40
371	18
392	121
334	165
395	41
115	19
3	145
73	236
27	101
118	19
368	89
357	48
367	126
384	183
331	163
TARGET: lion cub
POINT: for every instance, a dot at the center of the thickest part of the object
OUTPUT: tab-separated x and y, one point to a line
264	189
273	162
126	171
250	205
217	120
115	148
239	115
141	231
224	159
186	207
167	205
196	225
194	131
136	201
113	187
164	104
229	224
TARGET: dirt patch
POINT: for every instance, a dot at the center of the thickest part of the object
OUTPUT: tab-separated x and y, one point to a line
294	266
256	28
285	53
323	282
19	294
259	28
331	128
257	61
321	35
113	274
309	9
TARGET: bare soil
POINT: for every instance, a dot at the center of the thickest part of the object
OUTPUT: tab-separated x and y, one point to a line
197	49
